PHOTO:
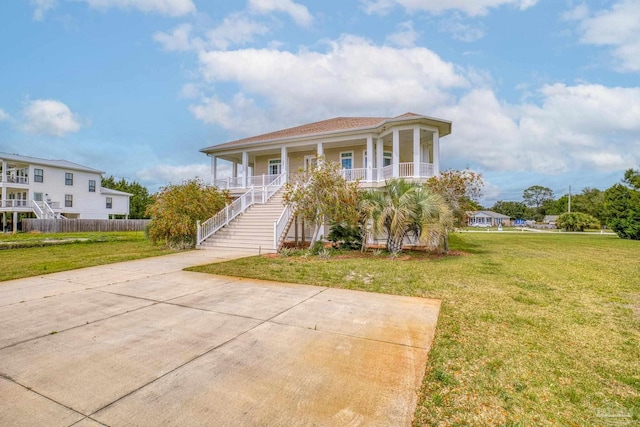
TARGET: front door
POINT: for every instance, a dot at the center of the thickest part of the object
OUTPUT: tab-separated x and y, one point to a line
310	162
275	166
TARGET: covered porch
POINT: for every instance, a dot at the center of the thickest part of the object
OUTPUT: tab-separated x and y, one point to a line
410	152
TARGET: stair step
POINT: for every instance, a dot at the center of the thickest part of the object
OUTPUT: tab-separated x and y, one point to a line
251	231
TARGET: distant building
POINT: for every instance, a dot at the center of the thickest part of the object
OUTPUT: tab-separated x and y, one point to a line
550	219
487	219
41	188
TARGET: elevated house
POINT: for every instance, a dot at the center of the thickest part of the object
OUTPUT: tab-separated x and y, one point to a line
41	188
370	150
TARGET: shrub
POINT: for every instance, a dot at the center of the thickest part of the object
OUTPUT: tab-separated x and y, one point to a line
576	221
345	236
317	247
176	208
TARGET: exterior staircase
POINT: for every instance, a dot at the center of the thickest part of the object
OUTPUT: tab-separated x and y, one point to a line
252	231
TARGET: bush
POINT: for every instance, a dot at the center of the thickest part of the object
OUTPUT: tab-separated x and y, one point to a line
576	221
176	208
317	247
345	236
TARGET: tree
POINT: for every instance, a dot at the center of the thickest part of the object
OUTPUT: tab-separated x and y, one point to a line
622	206
404	209
139	200
515	210
576	221
461	189
176	209
536	195
322	195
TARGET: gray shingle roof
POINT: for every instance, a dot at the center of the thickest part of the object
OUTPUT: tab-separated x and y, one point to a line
63	164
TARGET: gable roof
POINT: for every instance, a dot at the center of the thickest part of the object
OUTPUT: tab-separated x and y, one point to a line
491	214
111	191
63	164
329	126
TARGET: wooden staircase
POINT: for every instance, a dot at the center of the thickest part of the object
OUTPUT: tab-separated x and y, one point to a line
251	231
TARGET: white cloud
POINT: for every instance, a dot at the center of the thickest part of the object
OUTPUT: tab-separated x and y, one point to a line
469	7
617	28
583	127
49	117
41	7
284	88
179	39
459	30
4	115
299	13
160	175
235	29
406	36
163	7
558	128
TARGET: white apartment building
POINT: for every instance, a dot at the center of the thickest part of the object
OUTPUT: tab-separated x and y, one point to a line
41	188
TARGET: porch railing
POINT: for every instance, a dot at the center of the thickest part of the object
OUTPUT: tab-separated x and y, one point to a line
239	205
405	170
238	181
14	179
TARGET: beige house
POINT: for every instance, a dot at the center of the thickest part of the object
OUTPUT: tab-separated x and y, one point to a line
370	149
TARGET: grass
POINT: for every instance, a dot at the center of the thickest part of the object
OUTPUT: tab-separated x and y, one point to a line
93	249
534	329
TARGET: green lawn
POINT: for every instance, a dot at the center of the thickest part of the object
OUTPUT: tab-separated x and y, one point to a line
534	330
95	249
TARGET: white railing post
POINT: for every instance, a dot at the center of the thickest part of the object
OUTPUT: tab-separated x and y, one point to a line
198	233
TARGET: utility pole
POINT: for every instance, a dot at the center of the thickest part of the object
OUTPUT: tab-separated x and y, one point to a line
569	199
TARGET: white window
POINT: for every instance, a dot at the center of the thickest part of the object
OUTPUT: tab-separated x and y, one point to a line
109	202
346	159
386	158
275	166
37	197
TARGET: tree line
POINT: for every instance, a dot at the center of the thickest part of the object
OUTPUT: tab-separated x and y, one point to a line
618	207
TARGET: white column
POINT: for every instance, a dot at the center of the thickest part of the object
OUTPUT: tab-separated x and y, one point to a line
416	152
320	151
379	158
214	168
2	178
436	153
284	162
234	170
370	158
245	169
395	155
15	222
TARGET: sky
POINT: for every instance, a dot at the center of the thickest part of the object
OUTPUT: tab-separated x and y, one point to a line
540	92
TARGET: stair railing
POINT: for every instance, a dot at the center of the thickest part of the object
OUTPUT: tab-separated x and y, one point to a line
225	216
37	209
280	226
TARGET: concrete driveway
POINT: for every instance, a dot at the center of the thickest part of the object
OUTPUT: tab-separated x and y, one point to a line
143	343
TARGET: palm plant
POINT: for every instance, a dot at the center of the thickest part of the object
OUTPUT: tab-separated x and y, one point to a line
408	209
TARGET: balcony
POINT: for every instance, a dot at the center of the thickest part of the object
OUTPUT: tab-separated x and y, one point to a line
377	176
14	179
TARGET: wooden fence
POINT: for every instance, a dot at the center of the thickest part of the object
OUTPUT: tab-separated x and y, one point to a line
83	225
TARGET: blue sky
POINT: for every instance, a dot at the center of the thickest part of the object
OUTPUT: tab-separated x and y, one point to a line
539	91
